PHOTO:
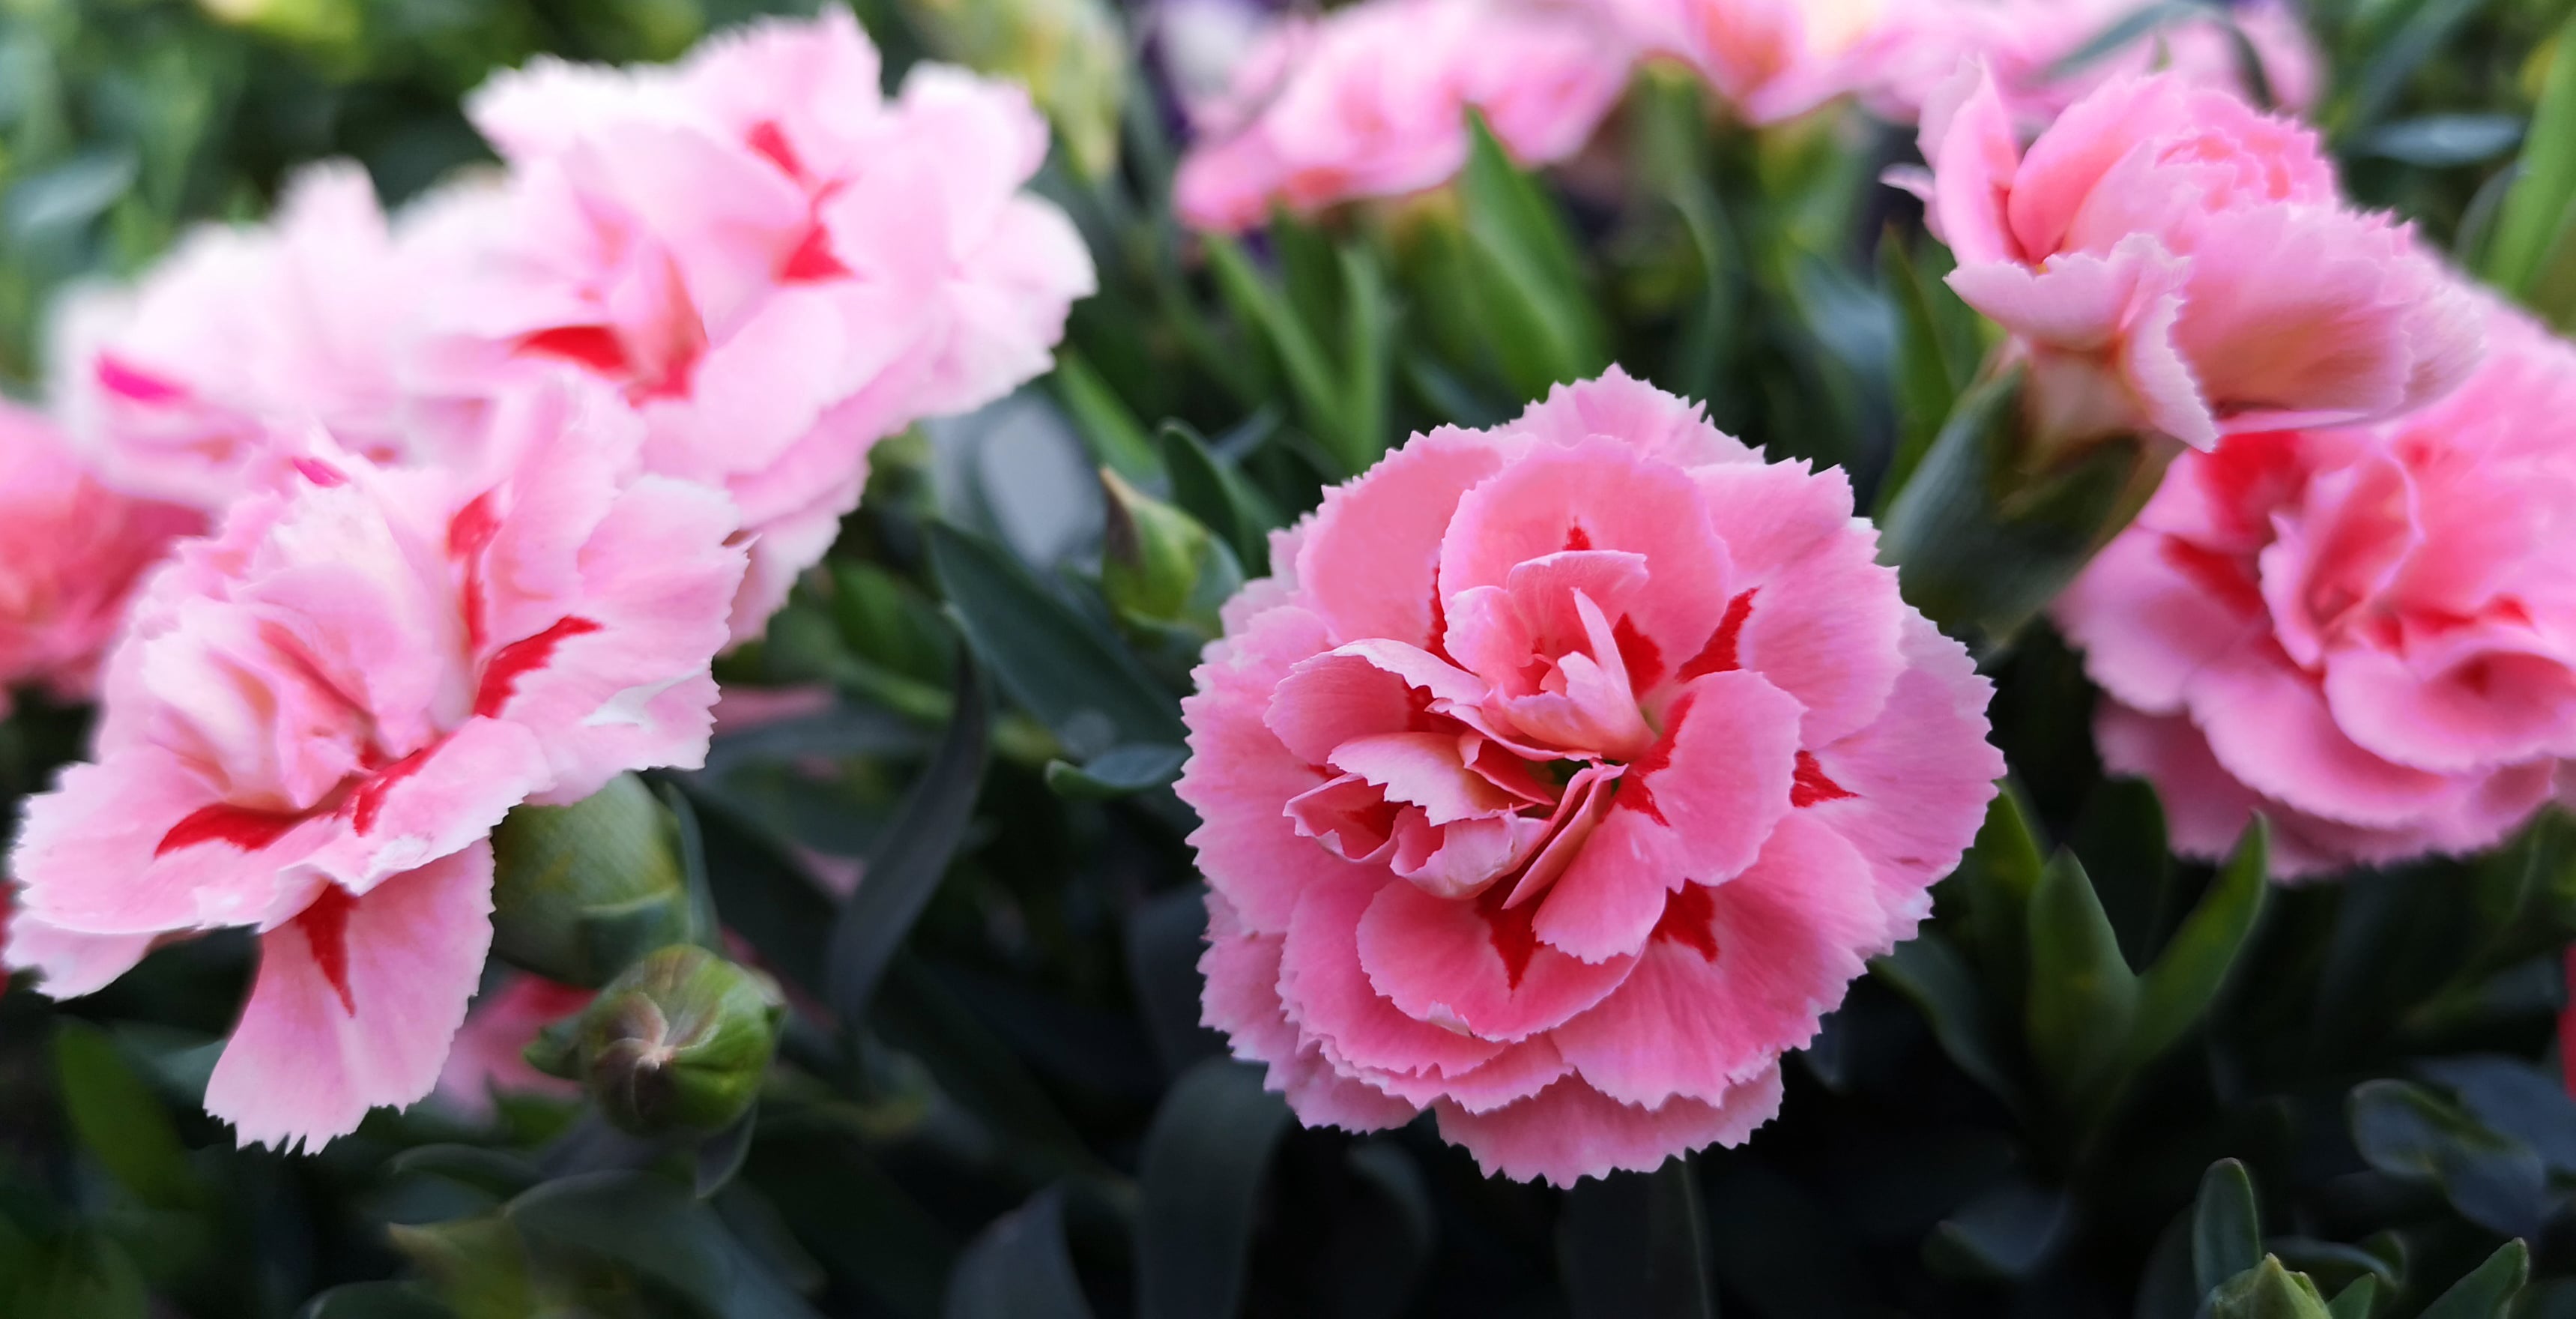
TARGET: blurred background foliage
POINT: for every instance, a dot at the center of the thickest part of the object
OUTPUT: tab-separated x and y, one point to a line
993	1098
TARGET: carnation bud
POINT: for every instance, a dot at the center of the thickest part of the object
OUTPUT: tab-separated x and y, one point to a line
581	891
1070	54
679	1042
2268	1291
1160	567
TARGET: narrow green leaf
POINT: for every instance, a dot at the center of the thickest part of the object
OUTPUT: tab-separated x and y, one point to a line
2355	1301
2115	38
1084	686
1117	772
912	856
499	1172
720	1156
2083	998
1205	1160
1930	973
2488	1290
2542	202
1541	323
2406	1131
1995	879
2429	25
1264	310
2226	1226
2120	836
85	1276
1218	496
1019	1268
2008	1232
706	928
1635	1246
2176	992
638	1222
2441	141
1108	427
116	1117
1368	363
374	1300
1166	934
1927	380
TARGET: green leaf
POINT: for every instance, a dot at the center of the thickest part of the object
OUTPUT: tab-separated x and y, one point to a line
911	856
1205	1160
2440	141
2406	1131
1217	495
2226	1225
706	927
1165	935
2267	1291
2355	1301
2006	1233
1541	322
374	1300
2083	998
1996	879
1635	1246
2488	1290
85	1276
2113	39
2120	835
719	1157
1108	427
116	1117
1931	974
1084	686
499	1172
2527	1102
1934	363
1019	1268
2177	990
2538	210
656	1231
2428	26
1369	362
1117	772
1311	379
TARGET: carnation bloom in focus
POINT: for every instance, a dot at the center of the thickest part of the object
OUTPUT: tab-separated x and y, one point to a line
1562	779
1372	101
70	554
2024	44
189	386
2369	634
318	715
2168	259
774	263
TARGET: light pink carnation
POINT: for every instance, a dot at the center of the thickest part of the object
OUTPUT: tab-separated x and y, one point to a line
2369	634
1563	778
70	554
2022	42
1770	59
2168	259
1372	101
777	265
187	387
489	1058
318	715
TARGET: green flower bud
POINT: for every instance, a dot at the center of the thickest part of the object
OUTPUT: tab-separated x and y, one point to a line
2267	1291
1070	54
679	1042
1161	568
581	891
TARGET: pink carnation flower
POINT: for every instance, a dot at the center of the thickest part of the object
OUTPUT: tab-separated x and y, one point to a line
2022	42
777	265
2168	259
2368	634
1372	101
70	554
1563	778
1770	59
187	387
489	1057
318	715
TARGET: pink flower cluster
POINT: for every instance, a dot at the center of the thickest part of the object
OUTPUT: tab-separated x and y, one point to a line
2367	633
1561	780
2137	254
491	485
1919	46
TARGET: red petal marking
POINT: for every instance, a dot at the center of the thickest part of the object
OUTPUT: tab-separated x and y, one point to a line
1809	785
1634	792
469	533
1689	918
1718	656
130	382
1575	539
1439	624
1645	662
676	378
812	261
1512	930
2226	576
369	800
320	473
245	829
520	658
326	931
593	346
770	142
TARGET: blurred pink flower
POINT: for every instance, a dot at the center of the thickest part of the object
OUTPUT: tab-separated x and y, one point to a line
2368	634
488	1058
71	553
775	264
318	715
1371	101
2168	259
1769	59
187	386
1563	778
2022	42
